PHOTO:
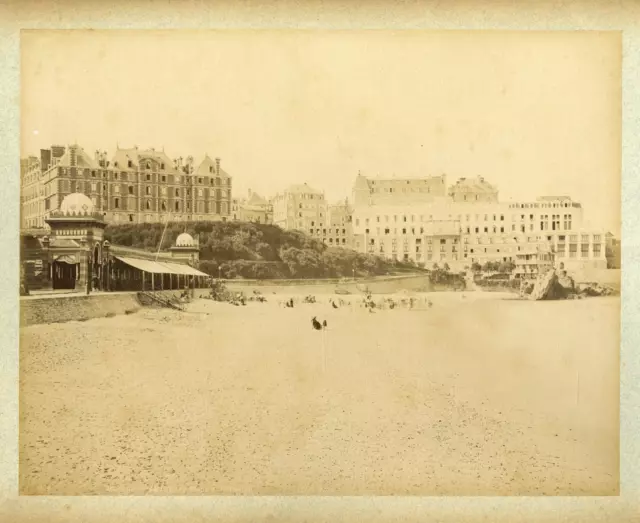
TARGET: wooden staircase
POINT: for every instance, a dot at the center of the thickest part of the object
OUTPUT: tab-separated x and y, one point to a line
161	300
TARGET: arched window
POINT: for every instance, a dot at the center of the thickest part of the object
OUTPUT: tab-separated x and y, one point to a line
164	206
148	165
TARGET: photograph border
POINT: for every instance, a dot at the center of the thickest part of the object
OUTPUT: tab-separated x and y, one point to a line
597	15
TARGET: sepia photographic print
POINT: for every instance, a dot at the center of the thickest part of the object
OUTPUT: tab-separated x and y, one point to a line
342	263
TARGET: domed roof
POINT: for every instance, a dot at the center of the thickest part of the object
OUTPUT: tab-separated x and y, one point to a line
184	240
76	203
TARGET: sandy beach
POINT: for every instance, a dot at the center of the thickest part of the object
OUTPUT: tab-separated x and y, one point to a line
478	395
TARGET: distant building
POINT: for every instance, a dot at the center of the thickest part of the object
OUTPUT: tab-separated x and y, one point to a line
613	252
136	186
398	191
301	207
340	227
473	190
532	262
254	209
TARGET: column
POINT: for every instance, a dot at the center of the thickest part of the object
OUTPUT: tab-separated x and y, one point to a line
82	270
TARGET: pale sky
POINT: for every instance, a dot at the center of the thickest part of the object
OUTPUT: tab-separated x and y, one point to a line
534	113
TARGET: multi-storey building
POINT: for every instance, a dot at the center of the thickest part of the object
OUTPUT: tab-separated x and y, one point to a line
477	230
254	209
301	207
135	186
398	191
339	231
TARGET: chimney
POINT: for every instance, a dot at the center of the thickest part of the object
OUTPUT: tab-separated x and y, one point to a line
73	156
45	159
218	166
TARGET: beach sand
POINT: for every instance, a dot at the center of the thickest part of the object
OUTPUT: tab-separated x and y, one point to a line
478	395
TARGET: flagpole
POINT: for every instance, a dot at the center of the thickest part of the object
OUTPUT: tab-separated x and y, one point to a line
163	233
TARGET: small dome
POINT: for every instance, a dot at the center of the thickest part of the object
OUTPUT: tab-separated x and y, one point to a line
184	240
76	203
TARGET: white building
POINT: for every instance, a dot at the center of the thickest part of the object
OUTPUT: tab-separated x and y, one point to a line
441	230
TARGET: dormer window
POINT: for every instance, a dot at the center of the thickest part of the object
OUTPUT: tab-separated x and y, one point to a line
130	163
162	166
149	165
115	164
211	168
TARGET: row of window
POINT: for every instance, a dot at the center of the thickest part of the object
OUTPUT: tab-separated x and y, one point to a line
123	176
467	218
391	190
324	231
148	190
164	206
150	218
555	205
544	226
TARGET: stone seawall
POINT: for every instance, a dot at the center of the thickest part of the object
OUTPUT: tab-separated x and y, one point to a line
49	309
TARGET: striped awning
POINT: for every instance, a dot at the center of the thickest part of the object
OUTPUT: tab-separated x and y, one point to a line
155	267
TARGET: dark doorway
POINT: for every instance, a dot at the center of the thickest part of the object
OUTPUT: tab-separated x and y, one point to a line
64	274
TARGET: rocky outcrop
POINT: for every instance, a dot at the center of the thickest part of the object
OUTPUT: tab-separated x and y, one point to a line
566	282
557	285
548	287
594	289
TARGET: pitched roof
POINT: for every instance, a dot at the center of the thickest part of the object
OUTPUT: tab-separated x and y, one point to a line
302	188
122	157
207	167
473	185
257	200
82	158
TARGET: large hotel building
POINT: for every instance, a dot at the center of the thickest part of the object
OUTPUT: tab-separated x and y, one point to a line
424	221
135	186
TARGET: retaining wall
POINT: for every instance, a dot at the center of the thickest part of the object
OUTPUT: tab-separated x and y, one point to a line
48	309
384	285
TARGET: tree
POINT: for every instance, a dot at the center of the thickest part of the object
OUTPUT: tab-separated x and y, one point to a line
506	267
446	267
476	267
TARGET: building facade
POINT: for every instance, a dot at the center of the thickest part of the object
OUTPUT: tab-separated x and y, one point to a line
339	232
135	186
74	255
398	191
254	208
301	207
459	231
